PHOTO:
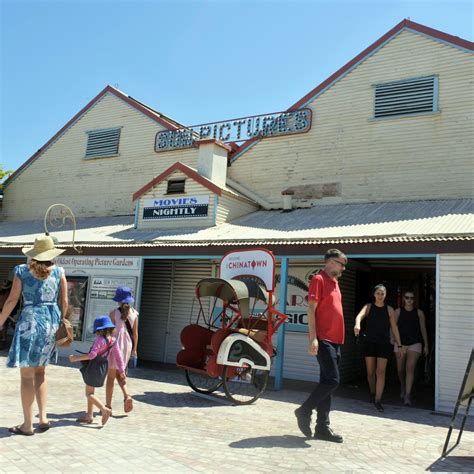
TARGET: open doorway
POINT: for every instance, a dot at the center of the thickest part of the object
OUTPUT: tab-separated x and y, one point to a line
399	275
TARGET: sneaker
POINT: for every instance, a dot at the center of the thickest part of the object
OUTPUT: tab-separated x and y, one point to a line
378	406
303	419
327	434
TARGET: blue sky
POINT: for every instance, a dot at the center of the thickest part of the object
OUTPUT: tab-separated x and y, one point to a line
195	61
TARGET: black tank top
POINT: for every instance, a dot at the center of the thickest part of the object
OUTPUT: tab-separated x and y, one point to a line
378	324
409	327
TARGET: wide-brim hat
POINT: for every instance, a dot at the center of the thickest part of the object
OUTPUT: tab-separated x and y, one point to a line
123	294
103	322
43	250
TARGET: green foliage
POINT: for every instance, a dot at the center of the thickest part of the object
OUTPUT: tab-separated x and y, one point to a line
4	174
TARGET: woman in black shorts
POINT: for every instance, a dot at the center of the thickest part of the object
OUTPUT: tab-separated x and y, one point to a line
377	346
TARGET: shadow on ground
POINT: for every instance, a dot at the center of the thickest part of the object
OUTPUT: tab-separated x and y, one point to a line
286	441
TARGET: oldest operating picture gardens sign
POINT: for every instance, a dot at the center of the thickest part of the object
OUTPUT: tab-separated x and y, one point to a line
269	125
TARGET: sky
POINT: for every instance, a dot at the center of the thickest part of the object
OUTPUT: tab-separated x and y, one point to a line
195	61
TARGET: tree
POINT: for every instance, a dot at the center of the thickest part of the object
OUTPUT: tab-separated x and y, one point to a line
4	174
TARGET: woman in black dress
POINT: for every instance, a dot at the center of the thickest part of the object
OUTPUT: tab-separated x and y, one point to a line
377	346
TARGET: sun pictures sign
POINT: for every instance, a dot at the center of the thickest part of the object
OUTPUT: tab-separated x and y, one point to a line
269	125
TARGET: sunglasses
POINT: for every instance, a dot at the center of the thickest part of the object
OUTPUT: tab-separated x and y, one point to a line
409	297
343	264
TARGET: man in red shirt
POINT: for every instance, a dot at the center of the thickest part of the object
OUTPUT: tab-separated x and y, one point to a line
326	335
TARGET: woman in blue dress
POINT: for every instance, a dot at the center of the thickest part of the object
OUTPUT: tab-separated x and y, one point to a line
43	285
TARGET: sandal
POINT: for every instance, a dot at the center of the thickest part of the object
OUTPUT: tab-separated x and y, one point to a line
128	404
42	427
85	419
106	415
18	431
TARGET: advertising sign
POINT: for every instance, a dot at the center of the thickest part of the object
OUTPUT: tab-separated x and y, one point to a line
101	291
193	207
235	130
259	263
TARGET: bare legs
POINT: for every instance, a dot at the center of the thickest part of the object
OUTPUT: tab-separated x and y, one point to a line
406	366
376	367
33	385
113	375
412	359
93	400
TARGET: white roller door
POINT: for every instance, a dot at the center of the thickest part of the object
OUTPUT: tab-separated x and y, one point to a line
455	325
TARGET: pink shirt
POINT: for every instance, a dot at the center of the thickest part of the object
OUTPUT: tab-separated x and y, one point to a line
115	356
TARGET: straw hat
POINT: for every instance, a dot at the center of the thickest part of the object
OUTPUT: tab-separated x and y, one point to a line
43	250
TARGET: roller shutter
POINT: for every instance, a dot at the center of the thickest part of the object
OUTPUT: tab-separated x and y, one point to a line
166	305
455	331
7	265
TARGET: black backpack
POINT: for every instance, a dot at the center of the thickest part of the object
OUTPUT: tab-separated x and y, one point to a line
94	371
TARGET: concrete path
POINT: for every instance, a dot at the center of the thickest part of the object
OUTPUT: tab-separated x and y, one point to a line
173	430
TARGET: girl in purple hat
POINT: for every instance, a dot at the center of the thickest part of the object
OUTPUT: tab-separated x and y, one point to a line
125	318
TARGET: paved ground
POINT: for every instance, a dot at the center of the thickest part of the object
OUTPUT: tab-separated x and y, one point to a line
173	430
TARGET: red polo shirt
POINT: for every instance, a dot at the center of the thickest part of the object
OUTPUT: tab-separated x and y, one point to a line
329	315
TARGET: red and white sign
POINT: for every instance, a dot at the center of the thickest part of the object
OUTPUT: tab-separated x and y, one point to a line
259	263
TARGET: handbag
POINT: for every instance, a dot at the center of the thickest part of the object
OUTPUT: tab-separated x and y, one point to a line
65	333
94	371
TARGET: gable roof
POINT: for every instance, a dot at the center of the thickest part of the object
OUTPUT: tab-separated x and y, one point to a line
178	166
144	109
397	29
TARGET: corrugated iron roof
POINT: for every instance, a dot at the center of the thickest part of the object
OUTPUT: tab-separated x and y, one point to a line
408	221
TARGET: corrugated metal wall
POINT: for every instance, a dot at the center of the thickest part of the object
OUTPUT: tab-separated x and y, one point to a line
455	327
6	266
166	305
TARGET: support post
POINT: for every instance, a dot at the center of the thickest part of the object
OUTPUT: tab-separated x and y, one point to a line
282	294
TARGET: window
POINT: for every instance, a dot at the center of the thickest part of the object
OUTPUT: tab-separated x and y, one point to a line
175	186
102	142
408	97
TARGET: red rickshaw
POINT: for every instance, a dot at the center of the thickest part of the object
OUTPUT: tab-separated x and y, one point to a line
230	344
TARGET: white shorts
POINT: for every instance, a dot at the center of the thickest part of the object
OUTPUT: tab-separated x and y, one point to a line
413	347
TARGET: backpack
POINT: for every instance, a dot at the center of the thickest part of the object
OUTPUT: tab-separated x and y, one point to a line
94	371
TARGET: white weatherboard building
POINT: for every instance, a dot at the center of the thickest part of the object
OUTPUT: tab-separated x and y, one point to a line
376	161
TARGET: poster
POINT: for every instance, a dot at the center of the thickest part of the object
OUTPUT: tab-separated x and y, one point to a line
101	291
77	291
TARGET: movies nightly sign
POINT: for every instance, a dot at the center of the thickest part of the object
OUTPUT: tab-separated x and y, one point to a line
194	207
270	125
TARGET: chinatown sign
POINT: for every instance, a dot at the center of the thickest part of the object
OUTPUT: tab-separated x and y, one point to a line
193	207
235	130
258	263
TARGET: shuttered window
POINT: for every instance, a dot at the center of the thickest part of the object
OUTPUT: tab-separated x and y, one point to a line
408	97
103	142
175	186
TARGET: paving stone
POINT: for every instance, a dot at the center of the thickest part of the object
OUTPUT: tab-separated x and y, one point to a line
173	430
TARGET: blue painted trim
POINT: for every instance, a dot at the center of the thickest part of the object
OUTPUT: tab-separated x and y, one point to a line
14	256
281	330
368	255
296	328
183	257
135	222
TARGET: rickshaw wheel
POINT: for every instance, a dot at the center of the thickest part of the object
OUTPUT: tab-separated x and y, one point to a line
202	383
245	386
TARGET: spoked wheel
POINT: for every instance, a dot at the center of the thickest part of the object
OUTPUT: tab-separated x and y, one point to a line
202	383
243	385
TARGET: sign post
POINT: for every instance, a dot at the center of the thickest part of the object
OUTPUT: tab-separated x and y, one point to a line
466	394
